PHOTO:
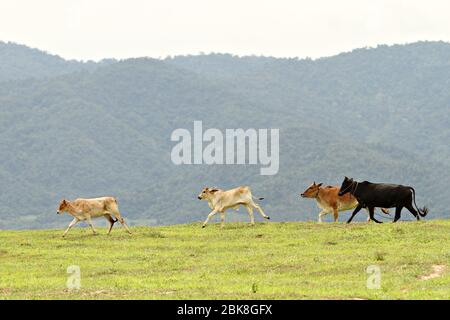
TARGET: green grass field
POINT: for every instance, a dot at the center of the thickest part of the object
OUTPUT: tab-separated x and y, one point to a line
268	261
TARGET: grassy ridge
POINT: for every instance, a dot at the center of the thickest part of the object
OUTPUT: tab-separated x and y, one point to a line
269	260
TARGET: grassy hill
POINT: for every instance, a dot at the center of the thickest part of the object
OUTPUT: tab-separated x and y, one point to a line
268	261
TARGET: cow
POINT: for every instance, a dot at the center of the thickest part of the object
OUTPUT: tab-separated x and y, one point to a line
372	195
328	200
220	200
86	209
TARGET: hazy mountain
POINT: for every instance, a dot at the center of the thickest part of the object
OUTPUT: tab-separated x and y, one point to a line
18	62
82	130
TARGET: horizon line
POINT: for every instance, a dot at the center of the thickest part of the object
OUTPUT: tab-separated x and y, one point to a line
202	53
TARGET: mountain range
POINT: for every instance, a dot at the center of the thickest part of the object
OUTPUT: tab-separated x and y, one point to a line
73	129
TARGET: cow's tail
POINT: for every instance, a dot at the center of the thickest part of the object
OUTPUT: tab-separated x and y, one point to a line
258	198
424	211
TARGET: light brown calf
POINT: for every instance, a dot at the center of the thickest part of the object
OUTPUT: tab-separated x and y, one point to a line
330	202
220	200
86	209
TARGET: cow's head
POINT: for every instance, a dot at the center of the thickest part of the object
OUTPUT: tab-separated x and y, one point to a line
207	193
62	206
346	186
312	191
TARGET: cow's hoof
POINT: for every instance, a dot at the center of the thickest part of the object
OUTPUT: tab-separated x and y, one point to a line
203	226
268	218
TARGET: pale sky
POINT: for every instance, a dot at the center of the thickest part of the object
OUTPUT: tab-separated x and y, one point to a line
96	29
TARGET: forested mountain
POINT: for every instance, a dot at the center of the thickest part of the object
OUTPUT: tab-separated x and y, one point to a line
21	62
73	129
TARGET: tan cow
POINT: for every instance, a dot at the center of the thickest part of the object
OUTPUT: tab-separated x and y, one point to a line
220	200
330	202
86	209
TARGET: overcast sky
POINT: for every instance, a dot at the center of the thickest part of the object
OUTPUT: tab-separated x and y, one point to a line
95	29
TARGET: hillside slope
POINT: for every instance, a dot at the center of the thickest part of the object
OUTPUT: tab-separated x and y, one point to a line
18	62
268	261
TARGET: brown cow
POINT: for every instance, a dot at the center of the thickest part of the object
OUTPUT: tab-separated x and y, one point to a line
330	202
85	209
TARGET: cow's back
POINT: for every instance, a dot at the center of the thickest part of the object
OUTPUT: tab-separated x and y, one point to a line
243	189
95	204
229	198
383	194
237	193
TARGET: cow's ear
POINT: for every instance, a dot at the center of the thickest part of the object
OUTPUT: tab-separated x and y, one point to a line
314	183
213	190
320	184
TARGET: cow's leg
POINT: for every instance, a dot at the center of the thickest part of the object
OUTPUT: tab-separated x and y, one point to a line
260	210
321	214
398	211
71	224
250	213
368	214
122	222
118	216
111	222
89	221
357	209
413	211
372	214
209	217
335	214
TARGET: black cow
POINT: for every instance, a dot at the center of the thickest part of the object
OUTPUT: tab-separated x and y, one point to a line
382	195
